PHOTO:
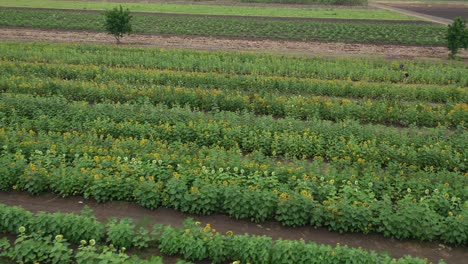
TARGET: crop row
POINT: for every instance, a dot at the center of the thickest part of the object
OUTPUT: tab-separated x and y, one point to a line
407	34
233	82
220	9
298	106
45	238
182	177
282	137
347	207
268	172
237	63
192	241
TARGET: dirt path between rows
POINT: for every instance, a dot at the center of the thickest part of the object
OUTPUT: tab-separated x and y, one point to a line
210	43
145	217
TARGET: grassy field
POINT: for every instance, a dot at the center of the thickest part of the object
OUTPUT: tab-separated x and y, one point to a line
216	9
408	34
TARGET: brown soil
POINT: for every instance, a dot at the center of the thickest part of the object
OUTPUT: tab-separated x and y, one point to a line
211	43
444	10
144	217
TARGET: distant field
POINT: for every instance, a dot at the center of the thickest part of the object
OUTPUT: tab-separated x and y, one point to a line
342	13
301	30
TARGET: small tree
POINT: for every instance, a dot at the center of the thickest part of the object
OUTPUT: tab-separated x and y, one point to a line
118	22
457	36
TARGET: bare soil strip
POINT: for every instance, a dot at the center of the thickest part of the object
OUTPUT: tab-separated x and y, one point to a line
226	44
145	217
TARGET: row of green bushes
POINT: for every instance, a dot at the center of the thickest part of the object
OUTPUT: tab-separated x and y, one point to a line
178	180
79	150
192	241
439	150
44	238
277	85
373	70
389	112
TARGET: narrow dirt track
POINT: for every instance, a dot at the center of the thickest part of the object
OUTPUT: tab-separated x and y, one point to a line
211	43
145	217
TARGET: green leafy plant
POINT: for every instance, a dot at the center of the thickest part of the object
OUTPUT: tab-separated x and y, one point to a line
295	209
36	248
142	238
73	226
202	198
91	253
118	22
12	217
148	193
242	203
121	233
457	36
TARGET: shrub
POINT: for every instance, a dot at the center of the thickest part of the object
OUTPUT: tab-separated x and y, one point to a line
117	22
457	36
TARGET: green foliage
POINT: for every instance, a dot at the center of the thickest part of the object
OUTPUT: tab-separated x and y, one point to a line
295	209
11	167
251	249
92	254
142	238
148	193
74	227
35	248
68	181
455	227
411	221
193	242
202	199
350	210
11	218
457	36
118	22
239	27
121	233
242	203
34	179
40	247
108	133
79	62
